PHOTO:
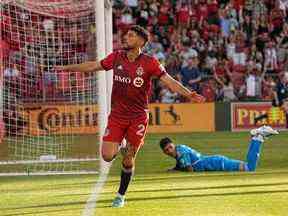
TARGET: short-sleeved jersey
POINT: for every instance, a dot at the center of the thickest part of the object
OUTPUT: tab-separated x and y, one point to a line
131	82
186	156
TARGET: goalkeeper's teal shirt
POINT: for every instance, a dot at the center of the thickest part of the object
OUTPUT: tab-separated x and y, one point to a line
187	156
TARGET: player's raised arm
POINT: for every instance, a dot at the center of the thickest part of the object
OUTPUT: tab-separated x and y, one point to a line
176	86
89	66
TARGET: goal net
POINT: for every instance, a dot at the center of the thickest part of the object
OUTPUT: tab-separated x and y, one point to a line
49	117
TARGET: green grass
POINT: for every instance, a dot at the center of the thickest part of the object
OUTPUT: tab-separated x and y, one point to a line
155	192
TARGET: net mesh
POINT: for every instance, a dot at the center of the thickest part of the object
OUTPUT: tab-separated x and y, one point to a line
45	111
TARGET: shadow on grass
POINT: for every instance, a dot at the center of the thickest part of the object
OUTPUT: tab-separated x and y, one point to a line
50	187
52	205
176	175
210	175
40	212
104	202
208	188
187	189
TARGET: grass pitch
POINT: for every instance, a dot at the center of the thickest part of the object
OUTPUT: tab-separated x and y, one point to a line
155	192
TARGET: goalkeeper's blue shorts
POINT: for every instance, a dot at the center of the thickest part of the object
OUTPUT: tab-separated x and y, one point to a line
217	163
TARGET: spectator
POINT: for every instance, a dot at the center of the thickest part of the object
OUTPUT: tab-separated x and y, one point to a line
268	86
4	49
282	50
254	81
209	90
48	25
190	75
12	73
217	31
173	65
227	87
186	54
143	15
133	4
231	47
270	64
225	24
126	18
168	96
183	15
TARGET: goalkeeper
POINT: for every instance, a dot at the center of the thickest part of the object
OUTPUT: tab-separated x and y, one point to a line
279	103
188	159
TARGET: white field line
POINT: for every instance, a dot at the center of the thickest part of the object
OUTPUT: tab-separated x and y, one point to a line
90	207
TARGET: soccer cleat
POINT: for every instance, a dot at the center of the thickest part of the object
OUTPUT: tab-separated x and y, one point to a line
118	202
264	131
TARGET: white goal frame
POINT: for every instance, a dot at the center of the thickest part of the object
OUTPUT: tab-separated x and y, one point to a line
104	41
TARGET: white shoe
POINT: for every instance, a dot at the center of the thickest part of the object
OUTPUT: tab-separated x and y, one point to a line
118	202
264	131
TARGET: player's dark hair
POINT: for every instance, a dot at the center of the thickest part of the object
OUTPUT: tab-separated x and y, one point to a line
140	31
165	141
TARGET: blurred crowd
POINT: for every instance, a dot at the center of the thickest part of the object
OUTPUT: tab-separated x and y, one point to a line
227	50
32	43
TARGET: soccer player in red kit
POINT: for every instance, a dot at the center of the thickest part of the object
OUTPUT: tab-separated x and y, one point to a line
132	75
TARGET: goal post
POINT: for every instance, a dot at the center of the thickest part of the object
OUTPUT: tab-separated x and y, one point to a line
53	119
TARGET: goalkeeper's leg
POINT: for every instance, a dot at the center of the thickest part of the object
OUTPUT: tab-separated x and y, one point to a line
253	156
253	153
257	139
219	163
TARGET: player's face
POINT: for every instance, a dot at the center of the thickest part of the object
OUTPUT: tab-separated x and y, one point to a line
170	150
131	40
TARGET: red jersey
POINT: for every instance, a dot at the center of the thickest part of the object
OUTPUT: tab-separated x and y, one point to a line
131	82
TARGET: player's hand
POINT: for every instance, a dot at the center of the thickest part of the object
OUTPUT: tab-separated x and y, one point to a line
194	97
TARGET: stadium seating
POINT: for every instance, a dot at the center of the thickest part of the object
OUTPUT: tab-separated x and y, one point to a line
241	35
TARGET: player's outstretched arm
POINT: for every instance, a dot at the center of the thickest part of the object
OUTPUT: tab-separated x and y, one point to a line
176	86
89	66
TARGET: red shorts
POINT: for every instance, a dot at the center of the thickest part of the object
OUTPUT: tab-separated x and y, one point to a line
133	130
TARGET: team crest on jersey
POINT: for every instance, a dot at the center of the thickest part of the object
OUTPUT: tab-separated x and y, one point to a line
138	82
140	71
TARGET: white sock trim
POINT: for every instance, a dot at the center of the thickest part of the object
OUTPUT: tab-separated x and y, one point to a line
121	196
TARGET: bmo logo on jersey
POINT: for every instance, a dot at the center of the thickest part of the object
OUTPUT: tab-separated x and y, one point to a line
121	79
